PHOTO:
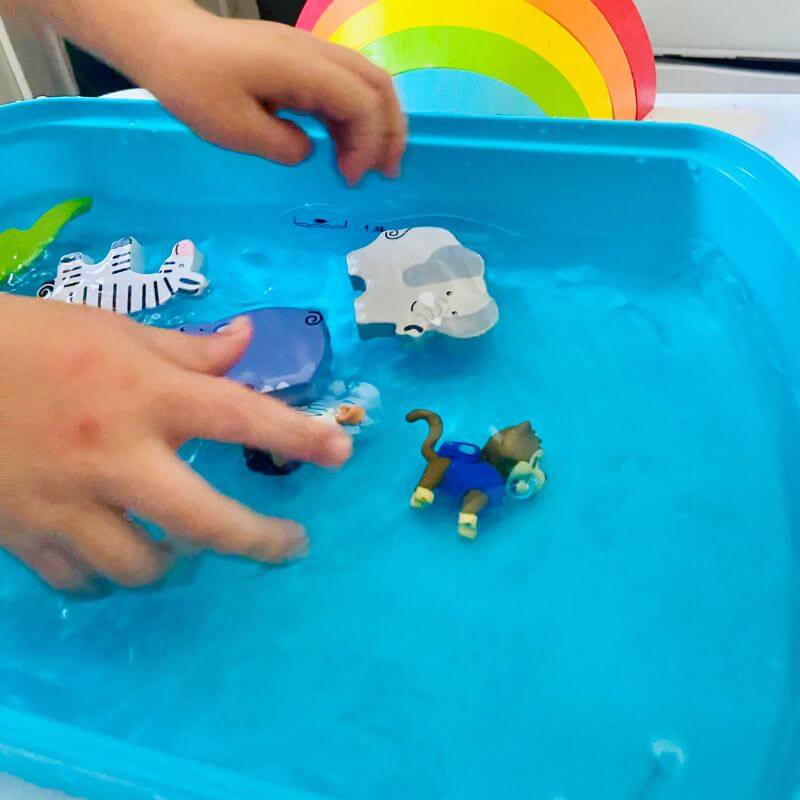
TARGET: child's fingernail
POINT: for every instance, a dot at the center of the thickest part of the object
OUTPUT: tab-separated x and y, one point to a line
298	546
236	326
339	448
292	545
353	176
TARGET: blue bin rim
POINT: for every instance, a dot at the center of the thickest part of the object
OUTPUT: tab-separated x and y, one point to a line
702	144
771	184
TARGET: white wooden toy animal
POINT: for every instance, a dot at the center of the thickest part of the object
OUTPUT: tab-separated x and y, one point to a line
119	282
418	280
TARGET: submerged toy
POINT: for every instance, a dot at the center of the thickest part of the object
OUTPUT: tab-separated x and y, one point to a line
354	406
119	283
507	465
418	280
289	355
20	248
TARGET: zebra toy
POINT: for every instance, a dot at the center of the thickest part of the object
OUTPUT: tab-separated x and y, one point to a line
119	282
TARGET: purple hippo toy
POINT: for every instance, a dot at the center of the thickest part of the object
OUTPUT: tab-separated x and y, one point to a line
289	357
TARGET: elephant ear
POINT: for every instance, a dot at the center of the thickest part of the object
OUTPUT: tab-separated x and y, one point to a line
451	263
525	427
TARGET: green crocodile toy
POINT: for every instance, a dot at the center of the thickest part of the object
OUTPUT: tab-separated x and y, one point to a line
20	248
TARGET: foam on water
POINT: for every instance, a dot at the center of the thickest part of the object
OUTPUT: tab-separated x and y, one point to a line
620	635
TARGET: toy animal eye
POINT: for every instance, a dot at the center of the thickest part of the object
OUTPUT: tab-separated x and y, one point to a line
455	313
449	293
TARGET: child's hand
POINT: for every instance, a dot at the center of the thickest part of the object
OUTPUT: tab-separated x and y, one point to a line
92	409
228	78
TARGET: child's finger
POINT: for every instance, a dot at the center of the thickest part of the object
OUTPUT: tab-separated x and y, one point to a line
351	109
260	133
395	133
53	566
219	409
357	148
240	122
395	140
169	493
116	548
212	355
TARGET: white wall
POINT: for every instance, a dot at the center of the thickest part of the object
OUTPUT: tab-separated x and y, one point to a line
758	28
694	78
9	84
42	57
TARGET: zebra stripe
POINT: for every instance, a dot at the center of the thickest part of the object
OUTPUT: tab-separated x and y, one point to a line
121	273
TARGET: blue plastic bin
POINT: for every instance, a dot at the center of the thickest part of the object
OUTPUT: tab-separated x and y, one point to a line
632	632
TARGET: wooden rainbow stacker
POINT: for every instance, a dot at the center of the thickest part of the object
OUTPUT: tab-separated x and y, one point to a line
567	58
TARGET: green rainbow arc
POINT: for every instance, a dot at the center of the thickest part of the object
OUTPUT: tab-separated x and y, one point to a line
485	53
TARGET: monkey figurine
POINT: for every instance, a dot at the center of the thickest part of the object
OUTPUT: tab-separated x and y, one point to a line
507	465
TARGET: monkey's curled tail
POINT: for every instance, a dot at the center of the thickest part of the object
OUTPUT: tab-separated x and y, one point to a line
434	434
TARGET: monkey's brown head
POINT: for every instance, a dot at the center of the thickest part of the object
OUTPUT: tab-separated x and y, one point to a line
515	453
510	446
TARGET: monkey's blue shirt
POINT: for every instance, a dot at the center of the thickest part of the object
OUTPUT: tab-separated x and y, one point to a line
467	472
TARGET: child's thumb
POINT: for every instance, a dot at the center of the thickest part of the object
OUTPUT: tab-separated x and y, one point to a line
211	355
